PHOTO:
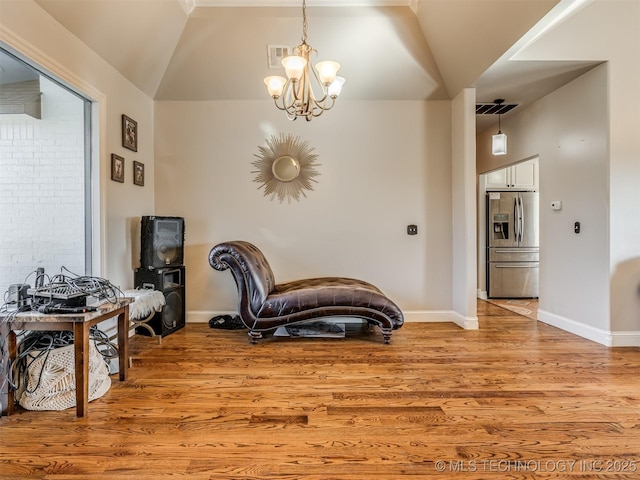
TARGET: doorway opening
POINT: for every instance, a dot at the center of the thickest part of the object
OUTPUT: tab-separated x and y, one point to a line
508	237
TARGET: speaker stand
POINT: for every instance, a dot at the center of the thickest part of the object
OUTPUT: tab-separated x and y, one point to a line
138	319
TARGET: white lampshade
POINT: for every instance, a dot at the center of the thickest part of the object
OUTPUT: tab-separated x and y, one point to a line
294	65
499	144
336	87
275	85
327	72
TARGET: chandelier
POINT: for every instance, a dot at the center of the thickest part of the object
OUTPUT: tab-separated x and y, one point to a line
295	94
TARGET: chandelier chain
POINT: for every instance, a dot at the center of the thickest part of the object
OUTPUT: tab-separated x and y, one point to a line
304	21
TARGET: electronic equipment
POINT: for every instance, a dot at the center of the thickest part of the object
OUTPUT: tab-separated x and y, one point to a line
161	242
61	294
60	308
39	277
18	296
171	282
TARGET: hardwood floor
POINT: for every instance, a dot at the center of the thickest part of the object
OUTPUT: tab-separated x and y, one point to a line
515	399
527	307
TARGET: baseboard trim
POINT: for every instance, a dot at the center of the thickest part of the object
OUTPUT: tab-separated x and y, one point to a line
468	323
203	317
624	339
603	337
598	335
417	316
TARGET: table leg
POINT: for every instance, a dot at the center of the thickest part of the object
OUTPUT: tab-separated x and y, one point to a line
123	342
13	353
81	353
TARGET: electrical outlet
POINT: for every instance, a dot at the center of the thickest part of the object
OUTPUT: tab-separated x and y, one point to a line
412	229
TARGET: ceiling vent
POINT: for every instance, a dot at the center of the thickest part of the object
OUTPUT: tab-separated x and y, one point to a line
275	54
494	108
21	98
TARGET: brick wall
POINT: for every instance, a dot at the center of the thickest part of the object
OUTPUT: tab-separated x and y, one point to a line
42	206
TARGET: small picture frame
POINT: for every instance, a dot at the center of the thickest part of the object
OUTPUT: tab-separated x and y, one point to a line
117	168
138	173
129	133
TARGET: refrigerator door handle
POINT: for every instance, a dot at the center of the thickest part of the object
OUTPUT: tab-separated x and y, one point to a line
516	220
498	265
521	229
517	250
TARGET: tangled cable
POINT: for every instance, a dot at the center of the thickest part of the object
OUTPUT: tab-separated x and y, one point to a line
72	284
34	345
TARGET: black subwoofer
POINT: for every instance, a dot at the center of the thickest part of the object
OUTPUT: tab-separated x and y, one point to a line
169	281
161	241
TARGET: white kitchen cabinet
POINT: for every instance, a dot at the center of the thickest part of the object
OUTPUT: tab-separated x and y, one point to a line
521	176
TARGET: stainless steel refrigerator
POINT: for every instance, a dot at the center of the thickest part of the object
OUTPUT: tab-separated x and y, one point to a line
512	244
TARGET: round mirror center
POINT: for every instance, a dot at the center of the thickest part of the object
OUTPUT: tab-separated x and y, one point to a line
285	168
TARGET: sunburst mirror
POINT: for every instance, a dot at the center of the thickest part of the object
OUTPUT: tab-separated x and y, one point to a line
286	167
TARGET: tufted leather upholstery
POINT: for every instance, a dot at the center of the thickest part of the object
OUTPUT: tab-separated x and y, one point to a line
264	305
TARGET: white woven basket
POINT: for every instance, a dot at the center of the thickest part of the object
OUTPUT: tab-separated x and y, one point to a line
57	389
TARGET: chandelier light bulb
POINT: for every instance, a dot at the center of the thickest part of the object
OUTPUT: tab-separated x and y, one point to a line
327	72
294	66
499	144
275	84
499	140
336	87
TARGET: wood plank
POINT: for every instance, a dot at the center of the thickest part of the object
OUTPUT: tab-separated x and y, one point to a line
515	395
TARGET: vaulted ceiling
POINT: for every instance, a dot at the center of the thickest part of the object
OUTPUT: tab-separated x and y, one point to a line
388	49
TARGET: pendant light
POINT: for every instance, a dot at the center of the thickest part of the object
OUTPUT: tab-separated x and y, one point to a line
499	140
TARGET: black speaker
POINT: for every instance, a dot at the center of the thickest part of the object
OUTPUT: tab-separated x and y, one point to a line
161	242
170	281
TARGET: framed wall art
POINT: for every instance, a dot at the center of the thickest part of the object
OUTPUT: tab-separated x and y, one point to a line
138	173
129	133
117	168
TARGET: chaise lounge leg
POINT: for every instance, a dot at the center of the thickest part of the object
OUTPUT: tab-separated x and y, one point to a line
254	336
386	334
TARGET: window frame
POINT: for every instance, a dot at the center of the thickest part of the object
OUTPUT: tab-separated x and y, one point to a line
94	143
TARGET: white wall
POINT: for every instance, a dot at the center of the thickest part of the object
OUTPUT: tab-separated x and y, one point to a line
383	165
419	272
615	317
464	207
30	31
618	42
570	136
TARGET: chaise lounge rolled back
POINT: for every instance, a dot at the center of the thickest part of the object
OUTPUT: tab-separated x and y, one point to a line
264	305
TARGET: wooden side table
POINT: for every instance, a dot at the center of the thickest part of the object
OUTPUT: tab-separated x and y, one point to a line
79	323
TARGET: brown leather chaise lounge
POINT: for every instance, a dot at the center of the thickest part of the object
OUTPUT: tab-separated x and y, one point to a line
264	305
